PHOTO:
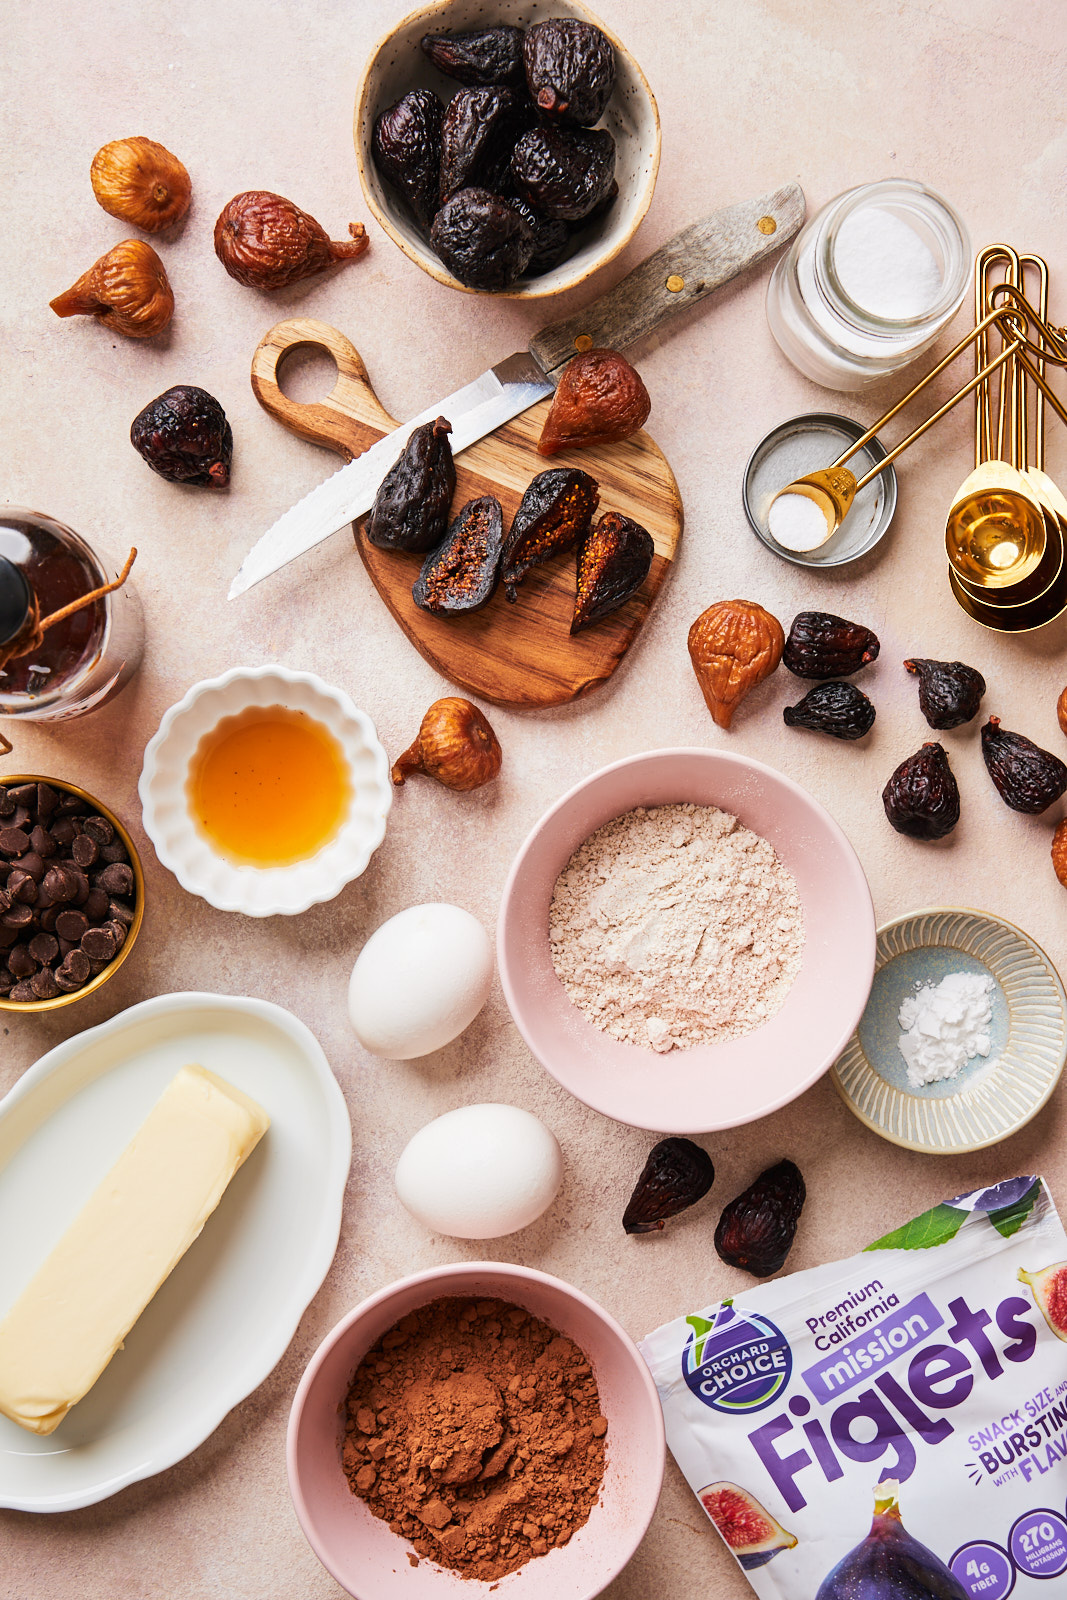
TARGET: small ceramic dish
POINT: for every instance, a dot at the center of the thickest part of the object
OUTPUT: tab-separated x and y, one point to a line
707	1087
804	444
991	1097
362	1552
134	929
397	64
187	852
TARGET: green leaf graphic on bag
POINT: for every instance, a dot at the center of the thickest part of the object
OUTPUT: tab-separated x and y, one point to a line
923	1233
1009	1219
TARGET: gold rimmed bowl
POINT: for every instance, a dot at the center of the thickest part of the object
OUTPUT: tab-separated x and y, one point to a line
96	982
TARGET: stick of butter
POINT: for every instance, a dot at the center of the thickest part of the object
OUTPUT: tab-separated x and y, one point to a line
75	1313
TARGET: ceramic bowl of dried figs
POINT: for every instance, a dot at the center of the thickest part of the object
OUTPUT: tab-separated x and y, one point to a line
514	156
441	1343
686	940
71	893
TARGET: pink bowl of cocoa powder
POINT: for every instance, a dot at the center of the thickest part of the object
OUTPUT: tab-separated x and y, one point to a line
707	1086
362	1552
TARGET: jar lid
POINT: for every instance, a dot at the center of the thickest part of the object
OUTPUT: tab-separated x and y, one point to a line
16	599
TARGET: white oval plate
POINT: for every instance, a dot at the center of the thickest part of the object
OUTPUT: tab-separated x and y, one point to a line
990	1098
226	1314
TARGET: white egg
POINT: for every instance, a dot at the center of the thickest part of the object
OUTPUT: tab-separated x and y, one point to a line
420	979
480	1172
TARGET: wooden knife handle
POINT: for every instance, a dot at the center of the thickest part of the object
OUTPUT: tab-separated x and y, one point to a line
349	419
685	269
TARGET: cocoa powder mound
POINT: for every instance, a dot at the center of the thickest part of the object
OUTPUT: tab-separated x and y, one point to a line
475	1431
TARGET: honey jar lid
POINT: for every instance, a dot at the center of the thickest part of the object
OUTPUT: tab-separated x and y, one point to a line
15	600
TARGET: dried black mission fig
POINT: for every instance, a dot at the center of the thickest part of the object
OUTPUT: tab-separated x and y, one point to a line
410	510
406	143
564	172
922	798
821	645
613	562
481	58
756	1231
950	692
482	240
478	134
462	574
552	238
554	513
836	708
184	436
1027	778
570	69
676	1175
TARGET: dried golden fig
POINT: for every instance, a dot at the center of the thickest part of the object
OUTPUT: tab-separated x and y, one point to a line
1059	852
455	745
139	181
1061	710
126	290
600	398
266	242
733	645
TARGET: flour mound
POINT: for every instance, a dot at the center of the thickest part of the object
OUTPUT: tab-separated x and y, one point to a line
675	926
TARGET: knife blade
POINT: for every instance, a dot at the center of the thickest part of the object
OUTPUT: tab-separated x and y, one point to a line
688	267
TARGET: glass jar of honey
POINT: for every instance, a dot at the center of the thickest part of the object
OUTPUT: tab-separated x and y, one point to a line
64	647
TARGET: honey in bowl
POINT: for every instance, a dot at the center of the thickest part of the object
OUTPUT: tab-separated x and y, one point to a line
268	787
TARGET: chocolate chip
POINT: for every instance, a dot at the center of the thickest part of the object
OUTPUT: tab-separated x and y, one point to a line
24	794
116	878
21	817
6	980
97	906
63	831
97	967
21	887
70	805
99	830
119	930
66	983
44	985
44	948
47	800
99	943
42	842
66	946
76	965
23	991
85	850
17	916
7	935
21	962
71	924
60	884
81	893
5	901
32	863
15	841
114	852
7	802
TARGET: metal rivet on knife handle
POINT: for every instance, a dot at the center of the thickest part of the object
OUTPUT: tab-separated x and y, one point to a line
675	283
767	225
703	256
583	342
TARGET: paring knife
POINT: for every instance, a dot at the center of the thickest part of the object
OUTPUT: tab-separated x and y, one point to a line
689	266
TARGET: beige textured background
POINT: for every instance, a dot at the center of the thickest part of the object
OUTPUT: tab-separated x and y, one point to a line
967	95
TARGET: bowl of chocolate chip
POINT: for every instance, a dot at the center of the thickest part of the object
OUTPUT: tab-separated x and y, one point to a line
478	1421
71	893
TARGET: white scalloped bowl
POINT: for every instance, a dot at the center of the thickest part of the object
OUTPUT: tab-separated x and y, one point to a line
184	850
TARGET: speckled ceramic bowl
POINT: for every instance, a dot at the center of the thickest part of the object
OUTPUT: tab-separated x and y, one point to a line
397	64
187	852
362	1552
990	1098
715	1086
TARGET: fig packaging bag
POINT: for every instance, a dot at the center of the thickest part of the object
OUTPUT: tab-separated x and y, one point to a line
893	1426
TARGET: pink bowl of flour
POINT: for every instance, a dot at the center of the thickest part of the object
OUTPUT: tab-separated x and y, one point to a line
708	1086
363	1553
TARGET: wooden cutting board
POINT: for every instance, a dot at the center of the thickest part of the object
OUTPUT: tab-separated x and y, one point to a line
520	655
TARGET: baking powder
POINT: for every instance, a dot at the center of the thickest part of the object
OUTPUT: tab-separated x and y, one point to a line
946	1026
884	266
796	523
675	926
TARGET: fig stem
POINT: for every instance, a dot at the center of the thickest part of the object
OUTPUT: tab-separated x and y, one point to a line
406	764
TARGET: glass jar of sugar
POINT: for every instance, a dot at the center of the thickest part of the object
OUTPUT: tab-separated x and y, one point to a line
869	282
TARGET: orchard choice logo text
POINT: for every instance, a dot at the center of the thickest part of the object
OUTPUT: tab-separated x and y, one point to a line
738	1362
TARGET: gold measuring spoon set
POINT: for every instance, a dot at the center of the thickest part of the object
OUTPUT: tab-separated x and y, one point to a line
1006	530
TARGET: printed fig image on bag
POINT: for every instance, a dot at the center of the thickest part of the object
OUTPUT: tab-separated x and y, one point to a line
893	1426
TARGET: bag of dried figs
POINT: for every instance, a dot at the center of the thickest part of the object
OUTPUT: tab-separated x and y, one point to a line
894	1426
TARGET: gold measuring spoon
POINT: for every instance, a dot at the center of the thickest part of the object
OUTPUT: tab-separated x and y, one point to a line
832	489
